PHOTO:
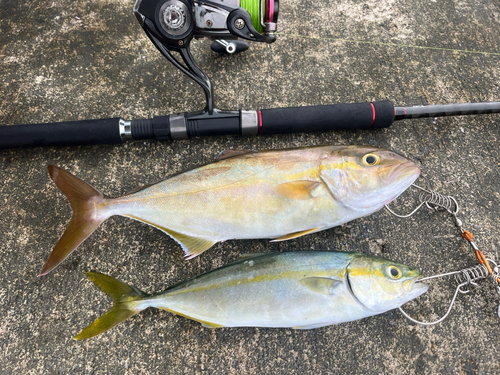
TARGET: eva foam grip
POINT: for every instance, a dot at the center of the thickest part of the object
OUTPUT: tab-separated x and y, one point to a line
71	133
327	117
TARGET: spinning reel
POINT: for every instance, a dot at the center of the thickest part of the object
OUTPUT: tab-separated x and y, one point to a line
172	24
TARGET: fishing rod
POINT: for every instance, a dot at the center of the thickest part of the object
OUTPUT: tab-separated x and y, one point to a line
171	25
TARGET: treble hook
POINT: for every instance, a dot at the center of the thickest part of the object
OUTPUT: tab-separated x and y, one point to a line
467	276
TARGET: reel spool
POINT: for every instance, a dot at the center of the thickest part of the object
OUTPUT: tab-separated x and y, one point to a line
172	24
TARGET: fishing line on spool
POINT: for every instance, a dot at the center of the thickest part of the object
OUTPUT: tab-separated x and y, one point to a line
466	277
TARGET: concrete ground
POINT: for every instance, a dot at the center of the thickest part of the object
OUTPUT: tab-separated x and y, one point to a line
68	60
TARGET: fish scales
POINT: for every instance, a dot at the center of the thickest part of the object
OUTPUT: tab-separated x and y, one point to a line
265	292
240	200
279	194
299	290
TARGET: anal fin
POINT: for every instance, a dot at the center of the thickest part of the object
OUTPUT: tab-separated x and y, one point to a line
312	326
192	246
295	234
210	325
204	323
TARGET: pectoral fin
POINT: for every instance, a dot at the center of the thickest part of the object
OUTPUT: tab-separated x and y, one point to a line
295	234
302	189
322	285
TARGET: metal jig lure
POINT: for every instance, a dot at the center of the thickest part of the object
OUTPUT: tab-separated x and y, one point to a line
465	277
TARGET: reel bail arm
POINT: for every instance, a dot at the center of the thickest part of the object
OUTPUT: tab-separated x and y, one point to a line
171	25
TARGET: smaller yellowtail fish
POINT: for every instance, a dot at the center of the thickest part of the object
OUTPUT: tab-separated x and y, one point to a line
276	194
300	290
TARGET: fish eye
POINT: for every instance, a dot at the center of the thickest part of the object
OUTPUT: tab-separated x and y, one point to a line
394	272
370	160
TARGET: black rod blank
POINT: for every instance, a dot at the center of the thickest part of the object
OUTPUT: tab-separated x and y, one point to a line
441	110
368	115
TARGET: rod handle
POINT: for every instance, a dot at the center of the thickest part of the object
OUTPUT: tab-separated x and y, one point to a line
70	133
367	115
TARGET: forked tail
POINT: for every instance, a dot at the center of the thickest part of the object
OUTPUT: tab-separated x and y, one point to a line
83	199
125	304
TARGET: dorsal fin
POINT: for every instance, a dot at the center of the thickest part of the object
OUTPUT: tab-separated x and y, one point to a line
230	153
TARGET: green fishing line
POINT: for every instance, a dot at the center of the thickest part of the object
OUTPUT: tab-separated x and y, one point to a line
390	44
253	7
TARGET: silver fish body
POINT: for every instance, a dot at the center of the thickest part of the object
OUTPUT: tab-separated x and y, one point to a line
279	195
301	290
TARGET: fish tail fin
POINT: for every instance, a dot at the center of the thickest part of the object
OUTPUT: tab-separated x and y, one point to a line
125	298
85	220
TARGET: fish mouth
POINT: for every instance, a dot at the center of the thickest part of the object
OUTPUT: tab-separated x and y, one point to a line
401	171
400	178
418	286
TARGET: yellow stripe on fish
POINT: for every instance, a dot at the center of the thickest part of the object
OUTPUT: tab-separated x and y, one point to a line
301	290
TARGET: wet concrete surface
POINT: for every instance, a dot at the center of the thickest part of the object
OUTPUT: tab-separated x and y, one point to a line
64	60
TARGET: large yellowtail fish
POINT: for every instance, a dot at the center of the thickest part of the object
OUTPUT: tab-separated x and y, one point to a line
280	195
301	290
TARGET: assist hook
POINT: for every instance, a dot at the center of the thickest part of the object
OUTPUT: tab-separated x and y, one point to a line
467	276
434	201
